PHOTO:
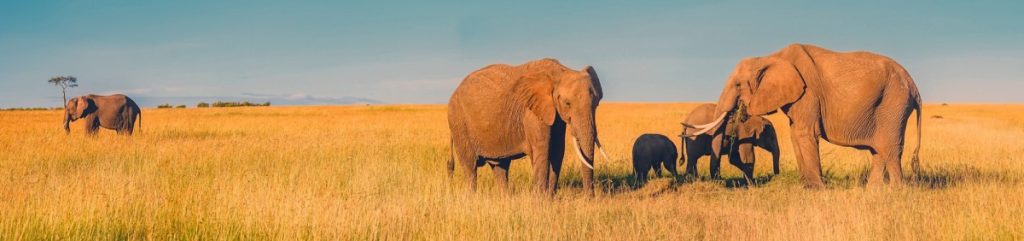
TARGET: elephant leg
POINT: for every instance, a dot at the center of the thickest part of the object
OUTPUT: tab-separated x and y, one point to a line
806	142
541	169
716	164
124	130
92	126
886	159
541	172
641	176
775	164
747	168
876	176
500	168
540	143
636	177
671	167
773	148
748	172
895	170
129	128
657	169
691	164
467	160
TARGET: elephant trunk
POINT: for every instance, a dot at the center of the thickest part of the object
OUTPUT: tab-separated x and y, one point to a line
585	138
771	137
67	123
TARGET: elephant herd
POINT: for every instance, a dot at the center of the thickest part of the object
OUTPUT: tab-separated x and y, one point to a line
501	113
854	99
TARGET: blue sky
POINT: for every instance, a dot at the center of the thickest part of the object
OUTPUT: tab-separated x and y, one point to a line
417	52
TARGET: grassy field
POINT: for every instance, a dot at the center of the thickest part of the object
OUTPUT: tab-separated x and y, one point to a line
378	172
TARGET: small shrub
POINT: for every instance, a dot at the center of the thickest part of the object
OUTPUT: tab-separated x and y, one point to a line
180	107
164	106
203	105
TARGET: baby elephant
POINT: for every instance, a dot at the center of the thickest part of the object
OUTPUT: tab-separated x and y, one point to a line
734	139
651	151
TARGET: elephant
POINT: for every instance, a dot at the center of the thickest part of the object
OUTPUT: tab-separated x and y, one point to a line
736	139
116	112
852	99
653	151
500	113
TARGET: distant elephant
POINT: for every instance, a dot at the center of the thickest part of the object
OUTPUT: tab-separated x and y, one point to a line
501	112
736	139
653	151
855	99
115	112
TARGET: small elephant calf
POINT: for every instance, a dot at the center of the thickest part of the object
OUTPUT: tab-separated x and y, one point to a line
651	151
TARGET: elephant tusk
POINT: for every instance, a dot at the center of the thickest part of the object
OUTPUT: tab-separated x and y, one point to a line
579	153
600	148
707	127
713	123
702	131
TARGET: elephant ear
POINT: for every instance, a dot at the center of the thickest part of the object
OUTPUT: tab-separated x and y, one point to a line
538	95
594	81
70	105
82	105
777	83
752	127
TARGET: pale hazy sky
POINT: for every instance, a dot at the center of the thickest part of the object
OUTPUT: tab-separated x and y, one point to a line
417	52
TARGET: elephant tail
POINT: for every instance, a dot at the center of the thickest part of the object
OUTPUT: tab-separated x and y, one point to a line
451	160
915	160
682	147
140	119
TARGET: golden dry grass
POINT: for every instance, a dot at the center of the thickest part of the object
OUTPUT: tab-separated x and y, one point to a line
377	172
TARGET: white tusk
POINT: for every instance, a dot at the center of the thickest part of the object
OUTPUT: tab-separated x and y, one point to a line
713	123
702	131
600	148
579	153
707	127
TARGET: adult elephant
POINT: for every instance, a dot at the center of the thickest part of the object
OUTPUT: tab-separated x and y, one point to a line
115	112
501	112
854	99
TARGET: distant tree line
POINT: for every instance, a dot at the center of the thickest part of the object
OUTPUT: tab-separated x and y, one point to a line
217	104
168	106
31	108
236	104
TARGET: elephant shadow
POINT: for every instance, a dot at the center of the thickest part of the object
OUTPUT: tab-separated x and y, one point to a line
613	183
625	182
938	178
740	182
616	183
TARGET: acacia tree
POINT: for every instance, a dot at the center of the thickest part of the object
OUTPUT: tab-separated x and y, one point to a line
64	82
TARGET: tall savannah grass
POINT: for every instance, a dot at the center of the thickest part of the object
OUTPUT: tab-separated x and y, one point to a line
378	172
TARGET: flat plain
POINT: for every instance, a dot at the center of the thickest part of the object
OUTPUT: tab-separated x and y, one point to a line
378	172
